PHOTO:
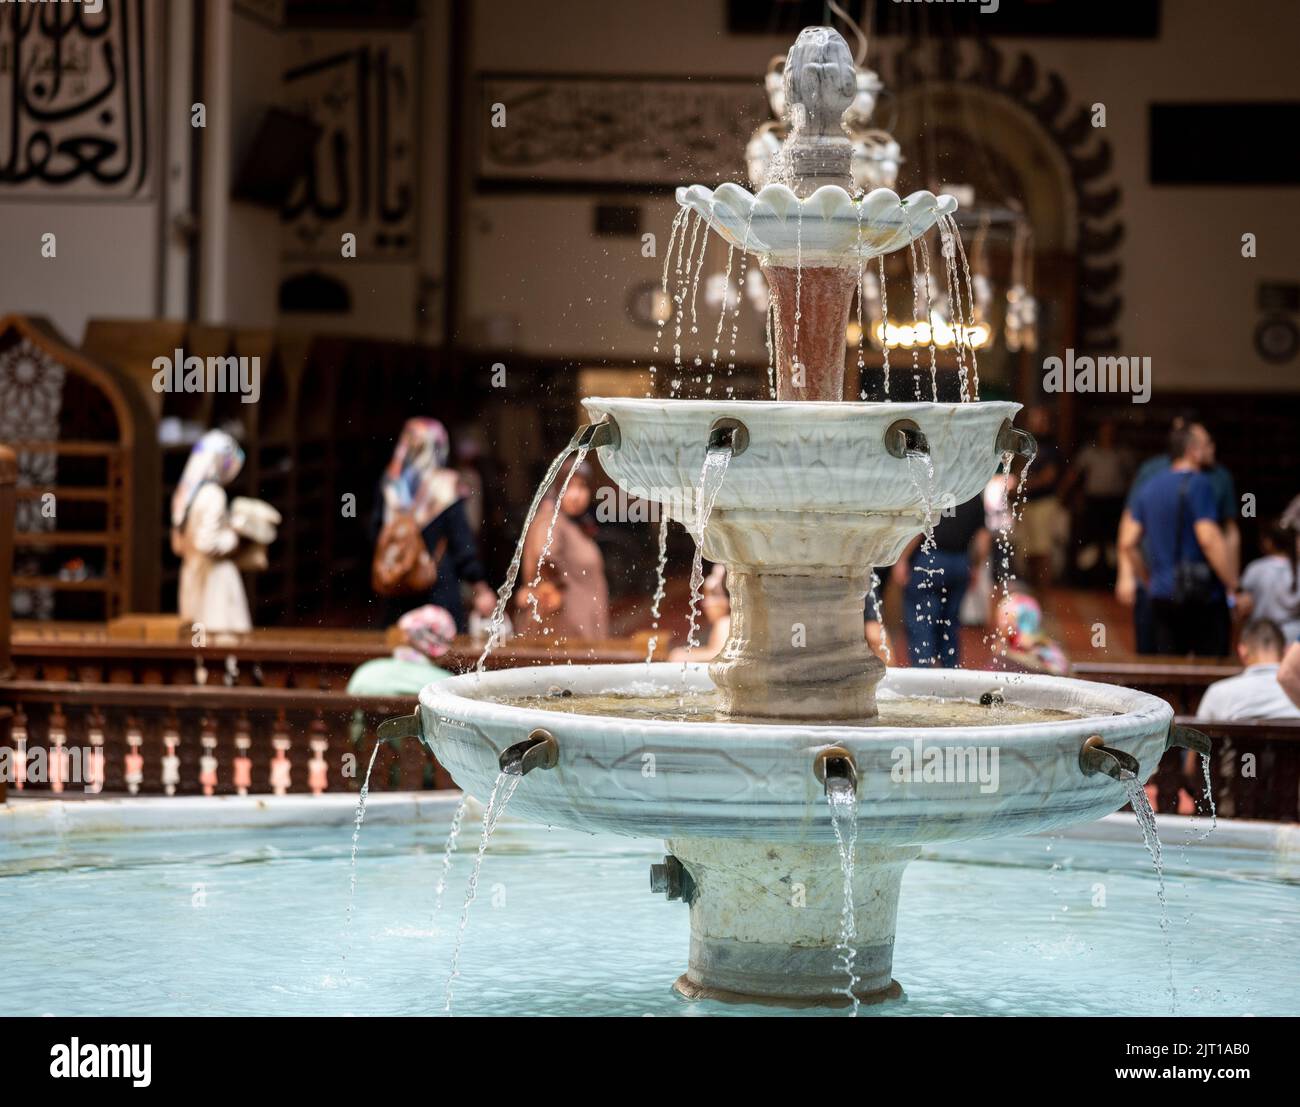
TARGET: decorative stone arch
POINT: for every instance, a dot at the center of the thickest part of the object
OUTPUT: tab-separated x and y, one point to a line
1079	157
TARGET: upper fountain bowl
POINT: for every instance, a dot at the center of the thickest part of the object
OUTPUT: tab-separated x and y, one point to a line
828	228
816	480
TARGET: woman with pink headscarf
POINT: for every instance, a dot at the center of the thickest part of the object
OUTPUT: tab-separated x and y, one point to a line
211	590
419	483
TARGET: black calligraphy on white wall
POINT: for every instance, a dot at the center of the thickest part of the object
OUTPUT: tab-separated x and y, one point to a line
359	86
627	131
74	111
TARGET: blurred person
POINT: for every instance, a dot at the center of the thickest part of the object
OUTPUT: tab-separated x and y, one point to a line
1020	624
935	580
211	591
715	606
1043	519
1270	585
1177	550
1128	590
1102	470
417	483
1254	693
426	633
1288	673
566	591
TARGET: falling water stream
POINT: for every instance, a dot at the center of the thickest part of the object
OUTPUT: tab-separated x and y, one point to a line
1146	819
533	584
661	584
507	589
356	839
716	461
843	800
502	789
448	852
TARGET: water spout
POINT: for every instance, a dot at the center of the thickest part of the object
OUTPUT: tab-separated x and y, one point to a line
591	436
1188	738
903	438
729	434
1013	440
835	768
538	751
1097	757
672	880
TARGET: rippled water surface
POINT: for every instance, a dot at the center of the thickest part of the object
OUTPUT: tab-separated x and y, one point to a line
702	707
251	922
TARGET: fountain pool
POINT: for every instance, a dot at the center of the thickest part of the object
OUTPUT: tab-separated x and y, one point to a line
249	921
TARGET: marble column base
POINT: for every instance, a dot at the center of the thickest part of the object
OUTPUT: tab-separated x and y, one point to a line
765	920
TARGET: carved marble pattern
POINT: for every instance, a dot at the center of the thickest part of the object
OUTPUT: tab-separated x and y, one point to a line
755	780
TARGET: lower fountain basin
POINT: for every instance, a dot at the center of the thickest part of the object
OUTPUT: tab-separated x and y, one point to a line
756	781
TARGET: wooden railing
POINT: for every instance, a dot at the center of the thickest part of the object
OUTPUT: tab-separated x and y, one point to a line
1254	767
142	740
305	659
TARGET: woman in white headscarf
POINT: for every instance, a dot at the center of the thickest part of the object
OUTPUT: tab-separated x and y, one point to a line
211	589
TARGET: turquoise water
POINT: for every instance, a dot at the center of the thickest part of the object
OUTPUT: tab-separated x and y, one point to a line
252	922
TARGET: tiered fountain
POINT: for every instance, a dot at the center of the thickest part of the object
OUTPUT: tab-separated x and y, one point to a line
736	763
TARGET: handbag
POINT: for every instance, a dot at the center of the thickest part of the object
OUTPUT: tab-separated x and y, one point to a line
402	564
1195	582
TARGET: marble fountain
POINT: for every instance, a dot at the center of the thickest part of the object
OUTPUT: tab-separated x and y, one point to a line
793	778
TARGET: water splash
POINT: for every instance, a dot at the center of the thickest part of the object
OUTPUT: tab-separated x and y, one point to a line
1146	820
497	626
843	800
535	583
661	584
356	839
771	351
1209	798
706	492
502	789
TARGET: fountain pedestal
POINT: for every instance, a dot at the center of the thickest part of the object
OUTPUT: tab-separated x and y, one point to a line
765	920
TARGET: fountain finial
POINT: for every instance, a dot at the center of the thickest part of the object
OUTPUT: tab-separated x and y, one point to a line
820	84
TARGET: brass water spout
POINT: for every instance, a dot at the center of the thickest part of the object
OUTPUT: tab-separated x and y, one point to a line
903	437
1188	738
729	434
1097	757
592	436
538	751
835	763
1013	440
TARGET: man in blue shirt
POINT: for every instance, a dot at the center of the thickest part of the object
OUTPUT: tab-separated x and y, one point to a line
1127	589
1176	549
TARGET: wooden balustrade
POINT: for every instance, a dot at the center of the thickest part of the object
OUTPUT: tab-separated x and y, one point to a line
1255	770
299	659
150	740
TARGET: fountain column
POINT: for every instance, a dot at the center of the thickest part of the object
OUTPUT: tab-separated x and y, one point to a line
812	312
765	920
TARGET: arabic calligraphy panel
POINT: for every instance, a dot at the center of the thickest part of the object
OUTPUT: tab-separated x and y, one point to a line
74	99
611	130
360	87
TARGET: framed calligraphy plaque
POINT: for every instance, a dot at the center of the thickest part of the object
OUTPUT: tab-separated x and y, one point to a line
75	90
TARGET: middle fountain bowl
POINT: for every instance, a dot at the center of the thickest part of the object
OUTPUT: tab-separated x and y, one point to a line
814	496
